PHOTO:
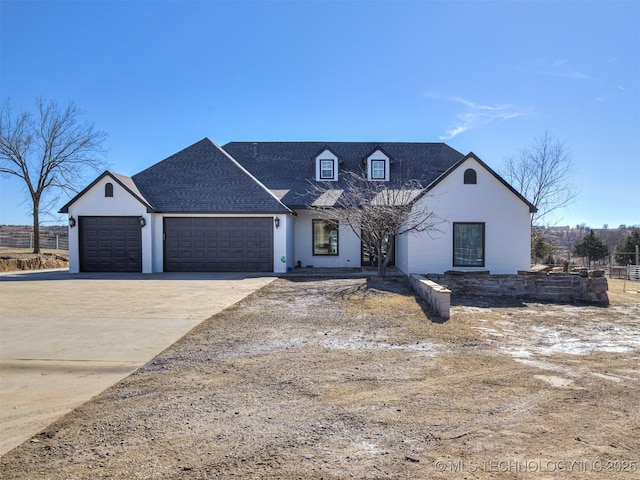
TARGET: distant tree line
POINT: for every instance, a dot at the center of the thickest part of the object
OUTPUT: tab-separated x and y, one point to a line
593	246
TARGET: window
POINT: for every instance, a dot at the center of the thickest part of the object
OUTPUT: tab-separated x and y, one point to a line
326	165
378	170
470	177
325	237
468	244
108	190
326	170
377	165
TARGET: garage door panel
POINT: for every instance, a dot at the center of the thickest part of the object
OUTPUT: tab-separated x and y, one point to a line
110	244
218	244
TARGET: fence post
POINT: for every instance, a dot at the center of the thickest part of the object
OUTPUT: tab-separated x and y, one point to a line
57	243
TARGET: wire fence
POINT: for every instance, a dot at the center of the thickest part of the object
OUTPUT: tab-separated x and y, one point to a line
629	272
23	238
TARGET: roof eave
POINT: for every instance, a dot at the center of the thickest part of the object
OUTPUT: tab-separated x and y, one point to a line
106	173
446	173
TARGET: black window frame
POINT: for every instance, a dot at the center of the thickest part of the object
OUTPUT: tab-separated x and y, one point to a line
108	190
328	253
384	169
333	169
457	260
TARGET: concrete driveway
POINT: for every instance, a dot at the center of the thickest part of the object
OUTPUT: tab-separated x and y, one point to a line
65	337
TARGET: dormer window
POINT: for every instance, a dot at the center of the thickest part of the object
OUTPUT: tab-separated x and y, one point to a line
327	169
378	166
378	169
326	166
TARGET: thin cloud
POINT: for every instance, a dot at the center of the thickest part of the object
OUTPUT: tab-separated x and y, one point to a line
560	68
478	114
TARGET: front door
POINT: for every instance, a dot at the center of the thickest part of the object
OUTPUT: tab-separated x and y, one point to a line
369	256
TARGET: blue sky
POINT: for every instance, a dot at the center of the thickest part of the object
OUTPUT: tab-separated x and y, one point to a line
487	77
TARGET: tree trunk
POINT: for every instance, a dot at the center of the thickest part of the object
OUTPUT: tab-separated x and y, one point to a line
383	262
381	266
36	229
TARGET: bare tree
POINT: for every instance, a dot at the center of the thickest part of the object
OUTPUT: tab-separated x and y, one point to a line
375	213
49	151
542	174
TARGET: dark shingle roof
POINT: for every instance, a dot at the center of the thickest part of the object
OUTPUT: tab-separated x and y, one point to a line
202	178
289	166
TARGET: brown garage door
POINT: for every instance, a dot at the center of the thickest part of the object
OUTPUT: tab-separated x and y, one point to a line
110	244
218	245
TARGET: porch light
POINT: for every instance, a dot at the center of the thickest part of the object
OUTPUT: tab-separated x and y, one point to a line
72	222
276	221
143	222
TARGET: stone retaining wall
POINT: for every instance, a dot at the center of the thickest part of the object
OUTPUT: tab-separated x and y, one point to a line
552	287
33	263
437	296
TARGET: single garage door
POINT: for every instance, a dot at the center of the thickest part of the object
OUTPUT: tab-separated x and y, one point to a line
218	245
110	244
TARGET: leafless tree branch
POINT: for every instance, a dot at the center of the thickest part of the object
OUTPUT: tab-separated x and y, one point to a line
49	151
375	213
542	174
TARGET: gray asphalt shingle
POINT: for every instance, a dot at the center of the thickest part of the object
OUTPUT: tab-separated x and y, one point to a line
203	179
288	167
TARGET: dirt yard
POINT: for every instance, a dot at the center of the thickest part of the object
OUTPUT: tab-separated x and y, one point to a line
354	379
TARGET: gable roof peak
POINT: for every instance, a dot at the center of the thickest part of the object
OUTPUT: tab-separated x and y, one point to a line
326	148
204	178
124	181
471	155
375	149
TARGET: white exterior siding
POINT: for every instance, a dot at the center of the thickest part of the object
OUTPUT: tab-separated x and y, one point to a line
348	244
506	219
289	222
157	246
93	203
280	253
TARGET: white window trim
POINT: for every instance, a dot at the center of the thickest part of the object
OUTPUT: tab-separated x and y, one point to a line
373	162
378	156
333	168
324	156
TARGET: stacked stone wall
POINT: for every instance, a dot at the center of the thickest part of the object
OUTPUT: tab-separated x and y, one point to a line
36	262
558	287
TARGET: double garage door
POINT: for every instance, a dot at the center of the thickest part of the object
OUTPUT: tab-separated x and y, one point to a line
110	244
218	245
114	244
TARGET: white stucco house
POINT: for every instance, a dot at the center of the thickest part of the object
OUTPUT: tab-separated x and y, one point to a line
245	206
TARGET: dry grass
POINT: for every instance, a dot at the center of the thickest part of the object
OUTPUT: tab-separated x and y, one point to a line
22	253
348	379
623	292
